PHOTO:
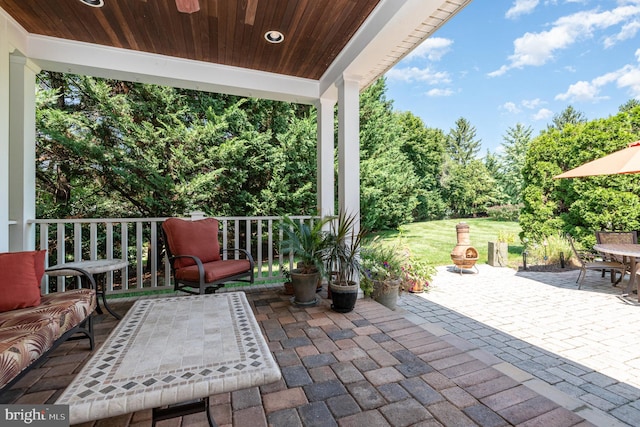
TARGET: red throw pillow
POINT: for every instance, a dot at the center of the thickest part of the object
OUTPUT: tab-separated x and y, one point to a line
198	238
19	280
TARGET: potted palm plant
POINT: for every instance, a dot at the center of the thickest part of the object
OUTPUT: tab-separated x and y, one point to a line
307	244
343	261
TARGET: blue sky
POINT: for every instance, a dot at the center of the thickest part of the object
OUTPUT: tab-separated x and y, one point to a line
502	62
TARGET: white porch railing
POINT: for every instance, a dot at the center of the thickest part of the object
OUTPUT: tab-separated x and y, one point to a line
138	240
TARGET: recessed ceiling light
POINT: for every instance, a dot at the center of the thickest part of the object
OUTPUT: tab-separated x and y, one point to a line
274	36
93	3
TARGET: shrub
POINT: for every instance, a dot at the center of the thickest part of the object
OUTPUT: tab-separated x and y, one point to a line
504	212
547	251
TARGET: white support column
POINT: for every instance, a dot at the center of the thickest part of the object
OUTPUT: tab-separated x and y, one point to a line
349	146
22	151
4	135
326	169
349	151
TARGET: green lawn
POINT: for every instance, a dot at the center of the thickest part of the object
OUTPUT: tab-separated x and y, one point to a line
433	241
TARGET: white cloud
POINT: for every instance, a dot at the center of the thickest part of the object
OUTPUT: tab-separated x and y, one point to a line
628	31
542	114
532	104
536	49
433	48
511	107
440	92
627	77
412	74
528	104
500	71
521	7
580	91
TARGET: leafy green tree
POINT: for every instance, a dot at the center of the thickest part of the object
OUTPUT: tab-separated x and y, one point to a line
110	148
462	145
424	148
468	189
580	205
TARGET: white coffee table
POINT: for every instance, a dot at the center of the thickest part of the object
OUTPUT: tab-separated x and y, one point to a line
91	269
167	351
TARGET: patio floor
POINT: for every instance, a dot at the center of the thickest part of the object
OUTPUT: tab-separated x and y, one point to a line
372	367
578	347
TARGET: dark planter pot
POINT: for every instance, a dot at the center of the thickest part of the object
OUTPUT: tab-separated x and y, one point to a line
304	287
344	297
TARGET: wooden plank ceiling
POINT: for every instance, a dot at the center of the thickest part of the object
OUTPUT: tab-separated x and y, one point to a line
227	32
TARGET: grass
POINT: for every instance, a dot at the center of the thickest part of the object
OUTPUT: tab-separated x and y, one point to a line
433	241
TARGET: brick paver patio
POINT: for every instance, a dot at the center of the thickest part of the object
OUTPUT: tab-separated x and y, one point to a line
577	347
371	367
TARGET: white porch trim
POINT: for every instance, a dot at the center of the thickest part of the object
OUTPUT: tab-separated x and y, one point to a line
326	170
349	146
22	151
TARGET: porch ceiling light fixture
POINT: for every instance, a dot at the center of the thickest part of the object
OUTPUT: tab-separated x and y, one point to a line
93	3
274	36
188	6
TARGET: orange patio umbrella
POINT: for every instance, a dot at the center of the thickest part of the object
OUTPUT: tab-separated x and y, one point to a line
626	160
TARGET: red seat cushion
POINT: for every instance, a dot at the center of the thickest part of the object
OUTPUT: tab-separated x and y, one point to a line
197	238
214	270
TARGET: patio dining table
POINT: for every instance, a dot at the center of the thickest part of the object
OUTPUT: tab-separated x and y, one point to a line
629	252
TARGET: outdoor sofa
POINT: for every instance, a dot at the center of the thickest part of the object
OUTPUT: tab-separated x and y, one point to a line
32	325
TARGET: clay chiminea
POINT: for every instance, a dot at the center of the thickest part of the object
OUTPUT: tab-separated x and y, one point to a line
464	256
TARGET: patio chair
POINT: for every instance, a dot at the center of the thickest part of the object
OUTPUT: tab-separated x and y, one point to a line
615	237
196	260
588	261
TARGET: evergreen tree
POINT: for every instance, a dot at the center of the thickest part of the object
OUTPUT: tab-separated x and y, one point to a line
629	105
568	116
425	149
462	145
515	146
388	183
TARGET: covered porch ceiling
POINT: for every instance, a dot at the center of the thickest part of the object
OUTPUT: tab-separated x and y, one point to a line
221	47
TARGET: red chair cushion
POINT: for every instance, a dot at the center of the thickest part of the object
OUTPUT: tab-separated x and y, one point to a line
197	238
20	277
214	270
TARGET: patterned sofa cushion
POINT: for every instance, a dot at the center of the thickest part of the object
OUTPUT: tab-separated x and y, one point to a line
28	333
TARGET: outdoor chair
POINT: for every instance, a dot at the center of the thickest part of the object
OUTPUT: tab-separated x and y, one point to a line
589	261
197	262
615	237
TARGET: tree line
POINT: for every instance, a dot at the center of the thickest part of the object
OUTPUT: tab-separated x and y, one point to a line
108	148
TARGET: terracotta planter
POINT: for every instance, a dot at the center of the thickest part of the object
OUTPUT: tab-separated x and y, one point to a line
386	292
344	297
288	288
